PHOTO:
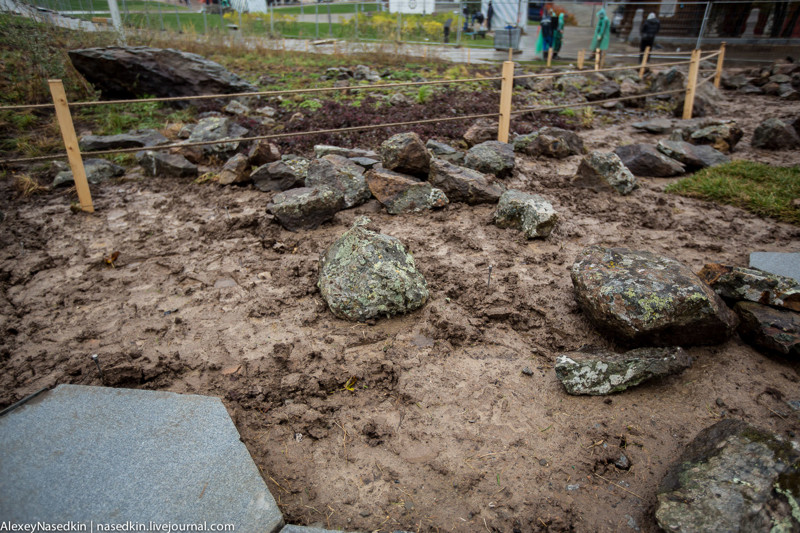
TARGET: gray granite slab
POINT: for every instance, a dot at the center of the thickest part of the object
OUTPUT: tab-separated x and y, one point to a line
781	263
107	455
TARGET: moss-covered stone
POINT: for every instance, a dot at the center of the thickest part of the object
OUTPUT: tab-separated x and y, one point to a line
340	173
731	478
491	157
597	372
403	194
753	285
641	298
306	207
551	142
530	213
365	275
600	170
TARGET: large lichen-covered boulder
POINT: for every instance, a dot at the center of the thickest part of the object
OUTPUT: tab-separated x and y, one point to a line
775	134
405	152
403	194
643	299
462	184
551	142
645	160
140	71
735	284
600	170
340	173
530	213
491	157
597	372
306	207
732	477
770	330
365	275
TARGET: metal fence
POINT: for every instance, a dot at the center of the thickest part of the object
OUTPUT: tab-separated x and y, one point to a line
734	21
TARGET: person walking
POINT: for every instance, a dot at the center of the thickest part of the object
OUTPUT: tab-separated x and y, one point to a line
545	40
649	30
602	32
558	38
489	15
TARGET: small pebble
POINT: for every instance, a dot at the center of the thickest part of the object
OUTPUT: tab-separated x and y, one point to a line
622	463
573	487
543	462
527	371
720	403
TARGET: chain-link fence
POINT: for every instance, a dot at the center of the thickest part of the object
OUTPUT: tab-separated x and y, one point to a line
762	22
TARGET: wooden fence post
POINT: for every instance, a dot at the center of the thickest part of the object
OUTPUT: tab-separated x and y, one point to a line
720	61
71	143
581	58
468	62
644	61
549	57
506	90
691	85
597	59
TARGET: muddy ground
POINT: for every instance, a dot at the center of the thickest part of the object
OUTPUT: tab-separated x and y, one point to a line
443	430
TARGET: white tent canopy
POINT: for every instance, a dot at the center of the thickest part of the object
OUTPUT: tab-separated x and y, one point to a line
507	12
250	6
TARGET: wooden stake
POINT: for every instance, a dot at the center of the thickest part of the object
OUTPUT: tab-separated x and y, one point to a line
510	54
306	45
581	58
644	61
691	85
468	56
597	59
720	61
549	57
602	59
506	90
71	143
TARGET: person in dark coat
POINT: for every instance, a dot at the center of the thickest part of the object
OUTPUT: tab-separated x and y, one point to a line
489	15
649	29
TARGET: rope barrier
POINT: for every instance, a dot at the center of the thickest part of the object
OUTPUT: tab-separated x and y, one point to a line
248	139
258	93
611	69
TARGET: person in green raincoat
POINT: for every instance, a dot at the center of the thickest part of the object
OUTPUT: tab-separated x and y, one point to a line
559	35
602	32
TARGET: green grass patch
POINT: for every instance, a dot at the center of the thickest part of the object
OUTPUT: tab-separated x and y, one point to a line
762	189
323	9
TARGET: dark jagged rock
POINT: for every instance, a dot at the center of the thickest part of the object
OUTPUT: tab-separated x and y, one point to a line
597	372
788	92
775	134
530	213
276	176
340	173
97	171
140	71
604	91
600	170
705	100
306	207
640	298
732	477
733	81
550	142
491	157
444	151
235	170
462	184
406	153
722	137
132	139
164	164
365	275
645	160
217	129
481	131
657	125
668	80
694	156
403	194
735	283
770	330
263	152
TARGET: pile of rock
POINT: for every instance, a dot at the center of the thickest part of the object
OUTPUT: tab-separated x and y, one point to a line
780	79
768	306
639	299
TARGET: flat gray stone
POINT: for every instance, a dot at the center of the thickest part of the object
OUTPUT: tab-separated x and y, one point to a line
780	263
106	455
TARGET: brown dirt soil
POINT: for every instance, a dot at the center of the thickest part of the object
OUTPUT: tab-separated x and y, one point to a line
443	430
